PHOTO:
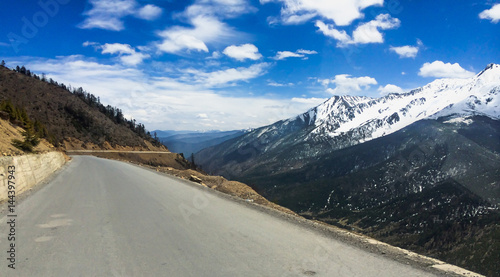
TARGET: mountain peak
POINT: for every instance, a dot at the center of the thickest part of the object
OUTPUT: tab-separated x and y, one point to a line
370	118
492	67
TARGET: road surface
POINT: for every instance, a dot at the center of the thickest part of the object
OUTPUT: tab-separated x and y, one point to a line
100	217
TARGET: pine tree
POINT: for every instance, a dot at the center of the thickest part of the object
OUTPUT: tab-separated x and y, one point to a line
9	108
193	164
31	140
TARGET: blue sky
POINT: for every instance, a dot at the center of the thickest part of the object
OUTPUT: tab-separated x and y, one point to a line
235	64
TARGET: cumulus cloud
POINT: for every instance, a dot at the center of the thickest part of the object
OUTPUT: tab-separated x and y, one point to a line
439	69
113	48
301	53
126	53
242	52
345	84
407	51
365	33
342	12
389	89
109	14
205	30
492	14
206	18
149	12
227	76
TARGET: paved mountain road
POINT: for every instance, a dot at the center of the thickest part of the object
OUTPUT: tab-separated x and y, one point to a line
100	217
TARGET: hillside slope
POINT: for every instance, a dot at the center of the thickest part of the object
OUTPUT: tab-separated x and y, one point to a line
9	132
71	121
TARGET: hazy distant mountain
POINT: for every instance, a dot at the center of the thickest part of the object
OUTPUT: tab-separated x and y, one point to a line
189	142
420	169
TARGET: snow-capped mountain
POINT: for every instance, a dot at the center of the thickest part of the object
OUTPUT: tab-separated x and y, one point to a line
372	118
344	121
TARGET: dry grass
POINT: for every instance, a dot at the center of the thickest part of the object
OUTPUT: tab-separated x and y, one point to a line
8	132
221	184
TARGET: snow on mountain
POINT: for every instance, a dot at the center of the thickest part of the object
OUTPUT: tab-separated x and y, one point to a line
366	118
345	121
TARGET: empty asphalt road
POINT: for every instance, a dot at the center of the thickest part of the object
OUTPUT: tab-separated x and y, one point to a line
100	217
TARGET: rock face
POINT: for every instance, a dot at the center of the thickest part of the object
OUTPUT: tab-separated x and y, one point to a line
195	179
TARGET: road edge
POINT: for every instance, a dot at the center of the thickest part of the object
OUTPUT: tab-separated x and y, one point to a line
360	241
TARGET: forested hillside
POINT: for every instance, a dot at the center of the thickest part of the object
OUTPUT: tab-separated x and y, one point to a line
69	117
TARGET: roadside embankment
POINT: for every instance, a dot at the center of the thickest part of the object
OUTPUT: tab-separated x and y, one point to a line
150	158
29	170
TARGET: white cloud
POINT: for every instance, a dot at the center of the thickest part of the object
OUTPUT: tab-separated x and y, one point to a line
219	8
165	102
149	12
113	48
134	59
390	89
205	30
125	52
276	84
91	43
405	51
342	12
301	53
307	52
281	55
215	55
345	84
109	14
492	14
242	52
227	76
439	69
313	100
205	17
365	33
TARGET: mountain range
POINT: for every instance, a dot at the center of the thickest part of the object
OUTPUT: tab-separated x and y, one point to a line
190	142
420	170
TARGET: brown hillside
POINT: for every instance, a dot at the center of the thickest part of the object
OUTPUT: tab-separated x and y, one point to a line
68	119
8	132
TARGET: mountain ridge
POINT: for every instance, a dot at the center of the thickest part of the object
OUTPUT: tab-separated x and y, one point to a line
419	170
344	121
